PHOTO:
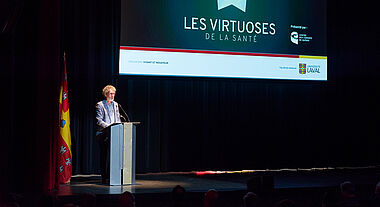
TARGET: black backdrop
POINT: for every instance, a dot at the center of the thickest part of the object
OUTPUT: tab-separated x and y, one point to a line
30	57
225	124
187	123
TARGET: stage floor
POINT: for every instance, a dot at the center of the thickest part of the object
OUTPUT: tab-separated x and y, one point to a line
224	181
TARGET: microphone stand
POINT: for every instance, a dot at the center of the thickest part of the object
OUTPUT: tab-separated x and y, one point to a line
124	113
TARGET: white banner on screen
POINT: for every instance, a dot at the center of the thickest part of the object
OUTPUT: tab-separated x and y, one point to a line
160	63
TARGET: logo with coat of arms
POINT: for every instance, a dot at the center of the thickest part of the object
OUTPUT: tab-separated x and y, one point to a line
302	68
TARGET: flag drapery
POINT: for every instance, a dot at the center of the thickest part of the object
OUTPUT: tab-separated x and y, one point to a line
64	139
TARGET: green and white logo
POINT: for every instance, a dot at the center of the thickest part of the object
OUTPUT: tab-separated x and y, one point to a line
240	4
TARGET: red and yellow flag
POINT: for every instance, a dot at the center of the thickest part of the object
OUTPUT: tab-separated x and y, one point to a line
64	139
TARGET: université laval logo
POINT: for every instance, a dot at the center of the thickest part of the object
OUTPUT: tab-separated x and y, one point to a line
240	4
302	68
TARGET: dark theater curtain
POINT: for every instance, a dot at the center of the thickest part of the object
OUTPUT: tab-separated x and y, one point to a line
91	42
30	72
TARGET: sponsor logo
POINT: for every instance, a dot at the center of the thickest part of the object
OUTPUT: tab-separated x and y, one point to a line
240	4
313	69
294	37
302	68
299	36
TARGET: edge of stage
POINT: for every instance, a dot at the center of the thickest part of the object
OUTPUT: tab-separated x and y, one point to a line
224	181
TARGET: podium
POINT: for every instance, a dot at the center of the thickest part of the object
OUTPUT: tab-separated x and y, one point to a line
122	153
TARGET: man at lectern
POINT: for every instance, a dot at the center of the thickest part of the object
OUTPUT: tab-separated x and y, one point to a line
107	113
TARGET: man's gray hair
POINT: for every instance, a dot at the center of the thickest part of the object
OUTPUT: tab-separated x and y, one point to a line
107	88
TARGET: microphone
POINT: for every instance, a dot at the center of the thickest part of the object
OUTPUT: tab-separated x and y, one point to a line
124	113
121	116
